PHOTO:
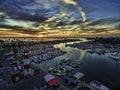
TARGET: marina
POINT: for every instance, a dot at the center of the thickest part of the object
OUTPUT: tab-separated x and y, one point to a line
74	66
59	44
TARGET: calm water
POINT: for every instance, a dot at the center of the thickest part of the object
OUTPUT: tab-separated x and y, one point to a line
95	67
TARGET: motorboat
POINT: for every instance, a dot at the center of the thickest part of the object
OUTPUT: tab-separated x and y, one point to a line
96	85
115	56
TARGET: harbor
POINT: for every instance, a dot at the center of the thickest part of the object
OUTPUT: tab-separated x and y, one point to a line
65	61
59	44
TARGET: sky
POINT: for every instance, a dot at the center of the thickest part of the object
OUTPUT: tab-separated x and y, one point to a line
59	18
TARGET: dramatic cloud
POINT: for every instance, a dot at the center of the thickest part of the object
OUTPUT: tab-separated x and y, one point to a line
78	7
64	17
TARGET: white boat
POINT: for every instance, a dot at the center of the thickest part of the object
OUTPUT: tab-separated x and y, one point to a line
90	50
78	75
115	56
96	85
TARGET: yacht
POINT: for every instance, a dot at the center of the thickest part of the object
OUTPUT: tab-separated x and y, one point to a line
115	56
96	85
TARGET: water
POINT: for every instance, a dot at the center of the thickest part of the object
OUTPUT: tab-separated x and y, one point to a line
95	67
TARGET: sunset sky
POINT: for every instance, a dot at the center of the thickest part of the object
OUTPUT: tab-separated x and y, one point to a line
59	18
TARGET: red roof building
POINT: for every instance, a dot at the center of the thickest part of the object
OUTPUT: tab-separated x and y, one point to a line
50	79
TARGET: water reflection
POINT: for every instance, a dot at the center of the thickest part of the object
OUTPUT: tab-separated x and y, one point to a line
95	67
82	54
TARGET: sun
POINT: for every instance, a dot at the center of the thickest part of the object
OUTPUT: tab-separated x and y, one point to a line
40	35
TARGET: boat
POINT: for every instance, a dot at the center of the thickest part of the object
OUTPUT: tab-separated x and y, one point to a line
96	85
78	75
90	50
80	88
58	74
115	56
66	60
50	69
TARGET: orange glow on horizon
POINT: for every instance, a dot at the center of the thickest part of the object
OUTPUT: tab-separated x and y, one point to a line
40	35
